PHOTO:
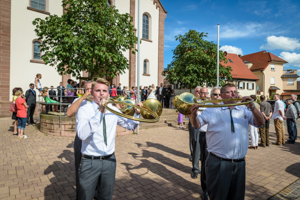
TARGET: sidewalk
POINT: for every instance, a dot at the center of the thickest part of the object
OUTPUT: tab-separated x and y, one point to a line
151	165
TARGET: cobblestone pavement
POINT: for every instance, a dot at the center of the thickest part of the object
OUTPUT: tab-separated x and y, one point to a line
289	193
151	165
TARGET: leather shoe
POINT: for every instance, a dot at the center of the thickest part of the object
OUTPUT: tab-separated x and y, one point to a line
204	196
194	175
290	142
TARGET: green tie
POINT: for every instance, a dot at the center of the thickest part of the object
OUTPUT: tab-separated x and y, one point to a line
232	125
104	130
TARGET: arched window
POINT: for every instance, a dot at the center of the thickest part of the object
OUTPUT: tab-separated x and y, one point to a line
36	50
38	4
146	67
145	26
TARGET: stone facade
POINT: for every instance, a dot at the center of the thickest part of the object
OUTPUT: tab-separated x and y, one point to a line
5	25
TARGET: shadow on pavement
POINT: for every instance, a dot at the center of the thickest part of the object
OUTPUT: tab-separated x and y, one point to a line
294	169
164	160
165	149
161	171
63	182
254	191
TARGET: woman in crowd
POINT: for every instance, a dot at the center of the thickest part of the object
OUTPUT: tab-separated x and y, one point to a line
180	120
21	113
37	83
253	129
70	91
14	114
132	94
125	93
48	100
152	92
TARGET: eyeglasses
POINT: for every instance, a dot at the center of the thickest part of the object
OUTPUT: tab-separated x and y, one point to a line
204	92
217	94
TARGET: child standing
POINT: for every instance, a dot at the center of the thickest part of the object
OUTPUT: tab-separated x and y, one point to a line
180	120
21	114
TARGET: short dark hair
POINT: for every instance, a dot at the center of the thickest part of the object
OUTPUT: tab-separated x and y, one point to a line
69	81
31	84
253	97
262	97
226	86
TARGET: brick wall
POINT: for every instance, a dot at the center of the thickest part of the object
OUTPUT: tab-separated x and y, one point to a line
5	18
161	43
132	57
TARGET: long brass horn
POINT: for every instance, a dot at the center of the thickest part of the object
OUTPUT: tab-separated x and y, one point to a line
150	111
184	102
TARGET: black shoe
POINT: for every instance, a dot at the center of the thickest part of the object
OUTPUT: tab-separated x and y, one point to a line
32	123
15	133
194	175
275	143
290	142
204	196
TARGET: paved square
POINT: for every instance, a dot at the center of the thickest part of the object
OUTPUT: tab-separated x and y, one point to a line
151	165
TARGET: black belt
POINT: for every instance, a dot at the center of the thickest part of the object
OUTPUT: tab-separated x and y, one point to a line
98	157
227	159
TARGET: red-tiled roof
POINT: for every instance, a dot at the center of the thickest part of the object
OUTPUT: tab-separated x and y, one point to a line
239	69
289	93
261	60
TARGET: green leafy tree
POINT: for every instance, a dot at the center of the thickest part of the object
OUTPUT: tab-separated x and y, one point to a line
195	62
91	36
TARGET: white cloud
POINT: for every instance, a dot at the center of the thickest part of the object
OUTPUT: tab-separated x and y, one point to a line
284	43
180	22
292	58
249	29
167	46
171	33
232	49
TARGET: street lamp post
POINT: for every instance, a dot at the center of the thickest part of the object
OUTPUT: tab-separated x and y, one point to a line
218	57
138	59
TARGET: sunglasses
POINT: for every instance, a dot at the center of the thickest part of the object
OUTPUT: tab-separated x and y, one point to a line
217	94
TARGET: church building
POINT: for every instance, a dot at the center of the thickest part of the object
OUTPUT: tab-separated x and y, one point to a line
20	56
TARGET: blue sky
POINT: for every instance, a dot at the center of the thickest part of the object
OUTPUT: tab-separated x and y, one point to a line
245	26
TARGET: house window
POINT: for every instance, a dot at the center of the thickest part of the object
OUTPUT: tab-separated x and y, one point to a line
38	4
290	81
241	85
36	50
272	80
250	86
272	67
146	26
146	67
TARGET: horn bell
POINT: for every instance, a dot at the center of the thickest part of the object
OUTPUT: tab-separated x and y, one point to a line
152	104
180	102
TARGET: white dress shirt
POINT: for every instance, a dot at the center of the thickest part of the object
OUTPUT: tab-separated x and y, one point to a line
220	140
278	106
204	127
83	103
90	129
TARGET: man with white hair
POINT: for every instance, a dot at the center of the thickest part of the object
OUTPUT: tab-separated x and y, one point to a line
291	119
278	117
296	104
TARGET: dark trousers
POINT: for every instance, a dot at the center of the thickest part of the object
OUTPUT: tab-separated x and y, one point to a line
264	133
195	135
77	156
93	172
160	99
203	156
225	179
166	101
292	129
30	112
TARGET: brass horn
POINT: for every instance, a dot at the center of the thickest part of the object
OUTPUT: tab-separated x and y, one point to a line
184	102
150	111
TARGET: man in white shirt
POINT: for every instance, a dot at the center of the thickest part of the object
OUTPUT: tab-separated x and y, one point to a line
192	133
97	129
278	117
227	138
72	111
158	94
